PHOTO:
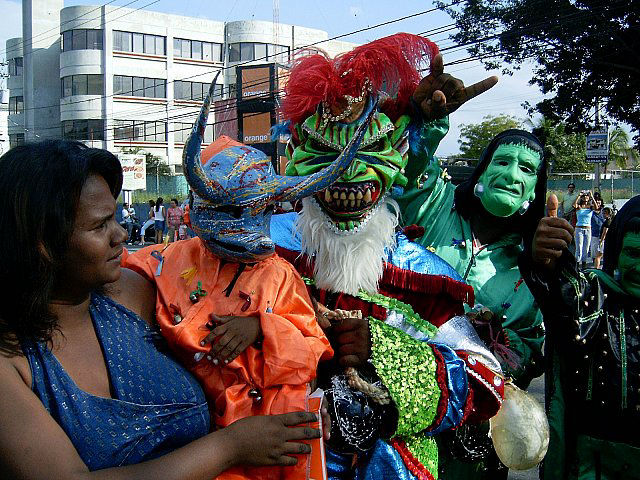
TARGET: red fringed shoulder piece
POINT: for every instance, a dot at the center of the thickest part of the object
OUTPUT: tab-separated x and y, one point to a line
391	64
398	278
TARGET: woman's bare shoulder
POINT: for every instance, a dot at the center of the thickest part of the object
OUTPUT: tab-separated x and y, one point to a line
10	364
136	293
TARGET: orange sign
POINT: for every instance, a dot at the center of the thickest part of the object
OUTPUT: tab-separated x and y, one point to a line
255	128
255	82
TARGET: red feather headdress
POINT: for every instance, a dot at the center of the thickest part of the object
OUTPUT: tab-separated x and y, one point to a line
390	65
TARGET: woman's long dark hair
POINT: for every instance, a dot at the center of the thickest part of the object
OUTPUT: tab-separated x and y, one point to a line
468	205
40	185
159	203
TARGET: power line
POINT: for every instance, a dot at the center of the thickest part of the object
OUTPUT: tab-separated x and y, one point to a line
299	49
437	30
57	28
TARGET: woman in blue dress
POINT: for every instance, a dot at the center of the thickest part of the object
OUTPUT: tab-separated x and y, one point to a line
87	391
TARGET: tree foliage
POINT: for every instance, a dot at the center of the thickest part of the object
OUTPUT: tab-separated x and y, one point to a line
584	50
621	154
565	151
475	137
153	163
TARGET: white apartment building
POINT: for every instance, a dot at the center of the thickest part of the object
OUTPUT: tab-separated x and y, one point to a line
15	118
130	79
4	120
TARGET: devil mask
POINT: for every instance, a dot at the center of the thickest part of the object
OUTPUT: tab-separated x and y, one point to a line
234	193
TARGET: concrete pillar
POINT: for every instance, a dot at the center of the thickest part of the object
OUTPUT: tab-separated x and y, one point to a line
41	36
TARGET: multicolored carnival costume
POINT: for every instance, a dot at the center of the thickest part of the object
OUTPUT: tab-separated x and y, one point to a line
231	269
424	352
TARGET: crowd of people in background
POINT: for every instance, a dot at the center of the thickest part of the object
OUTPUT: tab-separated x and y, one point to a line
587	213
170	223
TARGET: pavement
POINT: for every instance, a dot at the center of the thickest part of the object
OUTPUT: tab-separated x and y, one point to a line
135	247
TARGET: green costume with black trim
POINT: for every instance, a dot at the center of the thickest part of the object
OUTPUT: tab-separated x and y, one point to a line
593	381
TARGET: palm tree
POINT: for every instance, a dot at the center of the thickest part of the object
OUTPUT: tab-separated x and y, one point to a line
620	150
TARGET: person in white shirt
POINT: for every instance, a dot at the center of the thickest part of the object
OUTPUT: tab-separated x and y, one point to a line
149	222
127	219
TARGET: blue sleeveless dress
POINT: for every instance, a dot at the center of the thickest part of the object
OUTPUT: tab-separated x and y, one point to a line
157	405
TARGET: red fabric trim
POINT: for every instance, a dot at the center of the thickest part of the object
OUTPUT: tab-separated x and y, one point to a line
423	283
487	396
468	408
441	377
412	463
435	298
413	231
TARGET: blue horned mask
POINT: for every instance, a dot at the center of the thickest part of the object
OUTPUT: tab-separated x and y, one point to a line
235	192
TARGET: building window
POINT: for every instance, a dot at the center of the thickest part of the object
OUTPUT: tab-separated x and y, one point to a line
139	43
86	129
140	131
211	52
16	105
81	39
247	52
16	139
139	86
194	90
15	66
181	132
82	85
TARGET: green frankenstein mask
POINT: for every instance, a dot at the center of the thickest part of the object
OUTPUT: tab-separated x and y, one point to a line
509	179
378	165
629	263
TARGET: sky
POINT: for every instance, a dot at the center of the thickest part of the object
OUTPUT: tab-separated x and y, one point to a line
338	17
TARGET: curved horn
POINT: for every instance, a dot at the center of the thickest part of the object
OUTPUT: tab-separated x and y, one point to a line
293	188
191	164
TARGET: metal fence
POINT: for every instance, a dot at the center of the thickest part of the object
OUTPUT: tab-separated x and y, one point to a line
615	184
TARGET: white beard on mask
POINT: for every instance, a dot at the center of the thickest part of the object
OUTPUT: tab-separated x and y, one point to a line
348	262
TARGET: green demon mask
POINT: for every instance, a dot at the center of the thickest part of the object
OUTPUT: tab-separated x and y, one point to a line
509	181
629	263
378	165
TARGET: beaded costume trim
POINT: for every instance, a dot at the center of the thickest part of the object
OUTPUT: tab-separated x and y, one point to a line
402	308
345	132
395	305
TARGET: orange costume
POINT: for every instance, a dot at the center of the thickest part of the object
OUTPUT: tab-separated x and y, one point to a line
292	345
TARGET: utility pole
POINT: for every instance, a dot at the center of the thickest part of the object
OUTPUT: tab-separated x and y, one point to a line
597	172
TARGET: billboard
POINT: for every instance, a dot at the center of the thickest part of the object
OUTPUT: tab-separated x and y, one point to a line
134	171
598	145
256	127
226	118
255	82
